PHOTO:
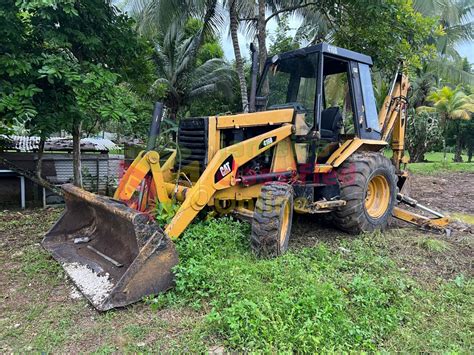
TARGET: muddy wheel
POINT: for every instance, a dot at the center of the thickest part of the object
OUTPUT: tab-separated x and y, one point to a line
369	185
272	218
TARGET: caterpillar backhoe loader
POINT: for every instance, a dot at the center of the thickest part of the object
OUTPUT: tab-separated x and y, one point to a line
313	143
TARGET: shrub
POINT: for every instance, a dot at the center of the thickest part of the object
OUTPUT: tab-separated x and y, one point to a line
310	299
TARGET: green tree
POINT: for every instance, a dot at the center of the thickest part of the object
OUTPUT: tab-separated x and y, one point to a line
181	78
422	134
238	9
62	64
468	132
455	23
453	105
281	41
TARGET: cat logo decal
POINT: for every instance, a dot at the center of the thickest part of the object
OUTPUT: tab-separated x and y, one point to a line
224	169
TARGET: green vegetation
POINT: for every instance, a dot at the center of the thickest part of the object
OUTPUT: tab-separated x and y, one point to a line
434	245
453	106
86	66
319	298
435	163
376	292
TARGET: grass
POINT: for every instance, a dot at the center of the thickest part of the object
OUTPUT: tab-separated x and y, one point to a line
353	294
435	163
312	299
463	217
433	245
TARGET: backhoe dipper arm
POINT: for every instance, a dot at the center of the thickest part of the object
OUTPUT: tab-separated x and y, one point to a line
437	223
221	174
392	117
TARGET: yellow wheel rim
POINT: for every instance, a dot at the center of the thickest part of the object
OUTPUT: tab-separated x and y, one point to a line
378	196
285	223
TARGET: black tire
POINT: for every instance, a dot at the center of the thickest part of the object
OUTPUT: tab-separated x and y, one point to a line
354	176
271	224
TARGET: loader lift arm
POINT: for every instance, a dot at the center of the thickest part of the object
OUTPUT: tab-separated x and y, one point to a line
220	174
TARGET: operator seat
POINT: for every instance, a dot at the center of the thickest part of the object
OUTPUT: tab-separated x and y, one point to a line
331	123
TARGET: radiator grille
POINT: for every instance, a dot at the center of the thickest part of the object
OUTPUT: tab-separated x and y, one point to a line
192	141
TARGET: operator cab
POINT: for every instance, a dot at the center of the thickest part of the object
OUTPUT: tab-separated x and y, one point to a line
330	89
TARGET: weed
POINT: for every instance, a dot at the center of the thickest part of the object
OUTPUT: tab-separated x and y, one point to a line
463	217
38	264
433	245
136	331
164	212
307	300
351	295
440	321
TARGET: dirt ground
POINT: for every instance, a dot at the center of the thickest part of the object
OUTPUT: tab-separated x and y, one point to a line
451	194
38	310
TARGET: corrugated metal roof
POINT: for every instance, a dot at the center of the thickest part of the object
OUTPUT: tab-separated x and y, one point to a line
100	143
29	144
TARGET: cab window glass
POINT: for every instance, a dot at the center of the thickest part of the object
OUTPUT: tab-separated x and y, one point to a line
368	97
337	93
292	81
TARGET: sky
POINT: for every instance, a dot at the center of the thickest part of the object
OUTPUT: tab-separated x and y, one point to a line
467	50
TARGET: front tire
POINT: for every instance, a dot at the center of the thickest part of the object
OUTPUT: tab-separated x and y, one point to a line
369	186
272	220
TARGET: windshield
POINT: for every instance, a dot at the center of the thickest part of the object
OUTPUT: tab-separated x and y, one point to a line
292	81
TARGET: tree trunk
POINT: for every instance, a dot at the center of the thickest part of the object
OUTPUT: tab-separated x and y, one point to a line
418	157
76	152
262	43
234	26
261	35
39	163
444	120
458	150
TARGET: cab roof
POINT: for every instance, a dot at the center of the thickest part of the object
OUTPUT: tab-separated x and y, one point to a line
327	49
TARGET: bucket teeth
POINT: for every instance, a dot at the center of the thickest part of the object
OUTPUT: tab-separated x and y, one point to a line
115	255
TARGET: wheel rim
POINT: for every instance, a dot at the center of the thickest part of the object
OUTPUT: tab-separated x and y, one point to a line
378	196
285	223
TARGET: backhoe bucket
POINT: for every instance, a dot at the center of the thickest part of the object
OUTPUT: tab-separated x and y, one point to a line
115	255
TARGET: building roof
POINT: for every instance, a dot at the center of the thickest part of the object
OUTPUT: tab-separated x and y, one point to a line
30	144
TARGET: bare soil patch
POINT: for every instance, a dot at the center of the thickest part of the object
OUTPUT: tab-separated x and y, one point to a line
450	193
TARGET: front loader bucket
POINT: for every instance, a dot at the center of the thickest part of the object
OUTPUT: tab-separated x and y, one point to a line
114	254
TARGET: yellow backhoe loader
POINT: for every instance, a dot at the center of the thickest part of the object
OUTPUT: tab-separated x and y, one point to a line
312	143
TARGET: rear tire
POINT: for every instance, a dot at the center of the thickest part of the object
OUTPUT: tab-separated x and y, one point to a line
272	219
369	186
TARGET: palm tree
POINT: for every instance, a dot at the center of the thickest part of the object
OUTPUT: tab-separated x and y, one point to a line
453	105
179	76
154	17
456	19
238	9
